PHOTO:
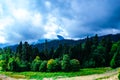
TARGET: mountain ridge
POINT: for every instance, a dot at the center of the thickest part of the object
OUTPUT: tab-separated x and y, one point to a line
70	42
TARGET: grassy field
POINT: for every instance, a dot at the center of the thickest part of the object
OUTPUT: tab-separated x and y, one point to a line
41	75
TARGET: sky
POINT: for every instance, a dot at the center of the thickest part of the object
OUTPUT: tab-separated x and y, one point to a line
29	20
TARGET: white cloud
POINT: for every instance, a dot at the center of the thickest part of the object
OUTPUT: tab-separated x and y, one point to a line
37	19
108	31
1	10
53	27
34	19
48	4
22	15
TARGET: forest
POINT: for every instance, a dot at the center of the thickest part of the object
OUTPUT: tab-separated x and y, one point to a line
89	54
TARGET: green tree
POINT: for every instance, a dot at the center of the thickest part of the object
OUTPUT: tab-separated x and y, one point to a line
51	52
115	62
58	52
113	50
107	44
46	49
35	64
35	52
53	65
26	52
12	65
99	56
19	50
3	65
75	65
43	66
65	64
76	52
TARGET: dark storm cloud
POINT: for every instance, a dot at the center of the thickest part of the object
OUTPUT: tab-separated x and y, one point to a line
94	16
34	19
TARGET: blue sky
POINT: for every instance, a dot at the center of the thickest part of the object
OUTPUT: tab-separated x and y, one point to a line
29	20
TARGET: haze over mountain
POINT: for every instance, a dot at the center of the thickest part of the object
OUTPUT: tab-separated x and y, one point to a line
31	20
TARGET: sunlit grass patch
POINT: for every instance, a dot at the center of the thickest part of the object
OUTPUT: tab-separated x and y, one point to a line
54	75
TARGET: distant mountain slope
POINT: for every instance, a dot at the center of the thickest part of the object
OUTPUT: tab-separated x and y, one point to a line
55	43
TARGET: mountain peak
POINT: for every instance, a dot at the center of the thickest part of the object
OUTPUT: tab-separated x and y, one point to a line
60	37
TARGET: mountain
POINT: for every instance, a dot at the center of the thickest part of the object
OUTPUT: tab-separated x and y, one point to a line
55	43
2	45
60	37
39	41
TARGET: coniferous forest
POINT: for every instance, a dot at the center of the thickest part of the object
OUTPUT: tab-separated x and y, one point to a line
91	53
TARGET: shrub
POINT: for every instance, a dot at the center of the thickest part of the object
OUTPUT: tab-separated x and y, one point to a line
75	65
89	63
35	64
43	66
12	65
58	64
65	64
112	63
24	66
53	65
119	76
3	65
115	62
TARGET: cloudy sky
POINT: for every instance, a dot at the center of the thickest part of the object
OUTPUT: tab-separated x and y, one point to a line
30	20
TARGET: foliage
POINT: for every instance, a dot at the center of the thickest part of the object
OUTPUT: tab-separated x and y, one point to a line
112	63
98	56
75	65
91	52
119	76
35	64
12	65
89	64
43	66
3	65
115	62
65	64
53	65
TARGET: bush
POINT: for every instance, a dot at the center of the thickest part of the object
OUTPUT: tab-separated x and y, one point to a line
75	65
24	66
112	63
58	64
3	65
35	64
119	76
53	65
43	66
89	63
115	62
65	64
12	65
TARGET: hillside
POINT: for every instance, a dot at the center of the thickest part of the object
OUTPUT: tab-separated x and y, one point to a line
55	43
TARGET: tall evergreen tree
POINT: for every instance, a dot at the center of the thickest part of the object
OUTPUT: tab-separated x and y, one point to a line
58	52
26	52
87	49
46	50
19	50
115	62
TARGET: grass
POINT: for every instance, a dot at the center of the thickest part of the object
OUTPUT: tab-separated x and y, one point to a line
41	75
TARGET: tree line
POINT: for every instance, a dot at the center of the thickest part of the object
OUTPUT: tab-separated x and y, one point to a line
90	54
